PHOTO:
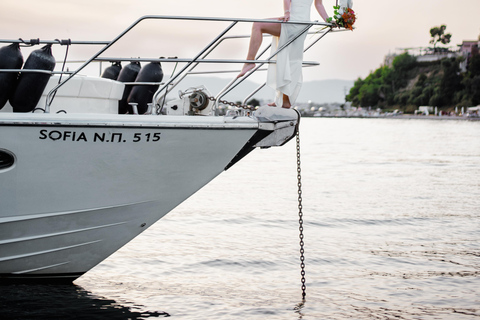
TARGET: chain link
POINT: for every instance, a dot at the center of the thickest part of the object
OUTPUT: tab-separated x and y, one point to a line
300	216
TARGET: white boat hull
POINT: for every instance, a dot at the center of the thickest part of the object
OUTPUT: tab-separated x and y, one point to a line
78	191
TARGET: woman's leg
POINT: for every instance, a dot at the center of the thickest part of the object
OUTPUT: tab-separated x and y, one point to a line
258	29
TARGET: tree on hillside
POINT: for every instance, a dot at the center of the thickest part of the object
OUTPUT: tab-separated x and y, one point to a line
470	95
401	65
450	84
381	88
438	35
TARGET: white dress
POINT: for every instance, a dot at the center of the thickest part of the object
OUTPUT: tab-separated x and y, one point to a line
286	75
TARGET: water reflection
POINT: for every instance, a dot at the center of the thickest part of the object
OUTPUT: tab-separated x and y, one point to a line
64	302
298	309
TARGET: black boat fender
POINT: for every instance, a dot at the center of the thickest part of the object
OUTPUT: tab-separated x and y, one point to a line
143	94
30	86
113	71
128	74
10	58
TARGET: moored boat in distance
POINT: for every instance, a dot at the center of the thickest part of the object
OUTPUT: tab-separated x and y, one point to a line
79	179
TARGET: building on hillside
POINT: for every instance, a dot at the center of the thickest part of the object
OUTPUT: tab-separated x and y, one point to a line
437	55
423	54
469	48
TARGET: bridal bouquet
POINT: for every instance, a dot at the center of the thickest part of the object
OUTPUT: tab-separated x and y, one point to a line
343	17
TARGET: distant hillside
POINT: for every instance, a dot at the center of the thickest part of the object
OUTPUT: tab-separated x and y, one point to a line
320	91
409	83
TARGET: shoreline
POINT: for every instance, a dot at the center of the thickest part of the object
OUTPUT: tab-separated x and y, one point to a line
404	117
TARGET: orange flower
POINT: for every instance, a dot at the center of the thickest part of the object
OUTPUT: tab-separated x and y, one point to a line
348	18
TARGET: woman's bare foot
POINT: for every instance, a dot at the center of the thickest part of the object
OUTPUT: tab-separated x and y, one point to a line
246	67
285	105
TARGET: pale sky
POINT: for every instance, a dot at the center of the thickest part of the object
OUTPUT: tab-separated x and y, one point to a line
382	27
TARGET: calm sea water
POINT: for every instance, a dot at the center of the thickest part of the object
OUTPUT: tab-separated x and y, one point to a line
392	231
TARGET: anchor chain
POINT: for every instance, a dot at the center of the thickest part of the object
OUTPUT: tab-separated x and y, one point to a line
233	104
300	216
230	103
